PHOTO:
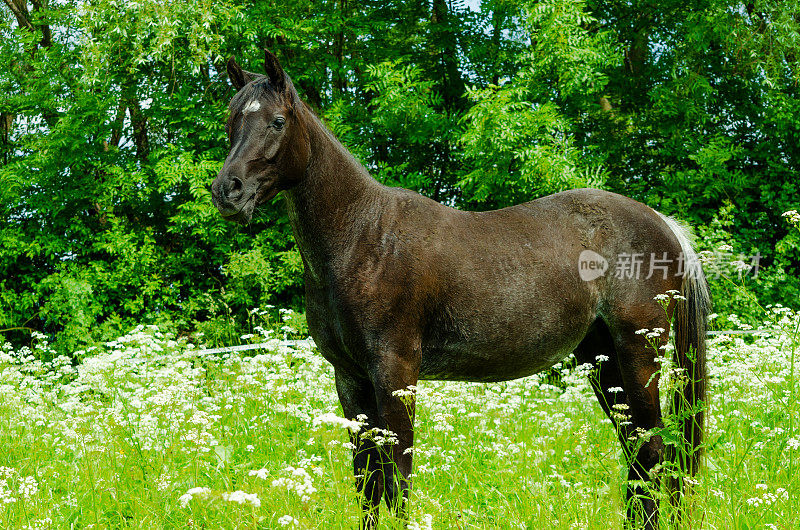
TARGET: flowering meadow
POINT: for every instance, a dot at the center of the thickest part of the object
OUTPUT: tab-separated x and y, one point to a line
148	432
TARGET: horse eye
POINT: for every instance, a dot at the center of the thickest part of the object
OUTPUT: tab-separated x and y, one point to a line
278	123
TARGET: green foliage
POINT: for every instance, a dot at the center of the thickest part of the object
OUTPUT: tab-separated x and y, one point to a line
69	303
111	130
519	138
111	139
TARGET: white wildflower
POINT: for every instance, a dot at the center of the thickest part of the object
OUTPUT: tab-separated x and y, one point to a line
260	473
740	266
286	520
410	390
200	493
28	487
163	482
241	497
792	217
330	418
424	523
298	481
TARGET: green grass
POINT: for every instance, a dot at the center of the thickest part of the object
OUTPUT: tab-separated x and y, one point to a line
120	440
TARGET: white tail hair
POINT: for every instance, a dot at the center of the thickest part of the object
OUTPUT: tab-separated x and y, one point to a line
690	325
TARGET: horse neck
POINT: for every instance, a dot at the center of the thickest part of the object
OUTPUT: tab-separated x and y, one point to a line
333	200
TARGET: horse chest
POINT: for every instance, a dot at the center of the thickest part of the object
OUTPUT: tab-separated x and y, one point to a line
336	329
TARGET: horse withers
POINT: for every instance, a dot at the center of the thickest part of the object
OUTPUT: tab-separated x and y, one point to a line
401	288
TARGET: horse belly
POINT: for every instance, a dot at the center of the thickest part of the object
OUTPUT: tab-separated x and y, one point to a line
507	317
476	368
493	355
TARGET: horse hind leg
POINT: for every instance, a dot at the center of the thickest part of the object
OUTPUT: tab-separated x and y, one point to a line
622	367
597	349
639	371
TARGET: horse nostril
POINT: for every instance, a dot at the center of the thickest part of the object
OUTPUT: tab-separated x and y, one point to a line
232	188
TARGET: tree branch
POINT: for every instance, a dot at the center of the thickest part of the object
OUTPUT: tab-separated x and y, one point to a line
21	13
45	28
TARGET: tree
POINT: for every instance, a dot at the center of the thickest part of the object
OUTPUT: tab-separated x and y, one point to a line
111	130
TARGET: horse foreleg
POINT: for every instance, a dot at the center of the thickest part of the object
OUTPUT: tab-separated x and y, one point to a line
395	377
357	397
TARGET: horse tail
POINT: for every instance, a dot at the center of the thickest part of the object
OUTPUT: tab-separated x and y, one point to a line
689	356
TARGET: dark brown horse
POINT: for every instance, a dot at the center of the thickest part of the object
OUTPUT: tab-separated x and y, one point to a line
401	288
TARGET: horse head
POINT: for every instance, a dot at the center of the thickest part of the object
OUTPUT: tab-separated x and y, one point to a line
269	143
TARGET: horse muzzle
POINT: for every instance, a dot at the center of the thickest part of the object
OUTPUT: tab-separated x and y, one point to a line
232	198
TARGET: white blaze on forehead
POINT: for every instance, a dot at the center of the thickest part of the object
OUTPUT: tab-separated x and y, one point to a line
253	106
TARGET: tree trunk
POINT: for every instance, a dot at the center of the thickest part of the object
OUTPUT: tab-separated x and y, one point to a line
139	124
444	39
339	78
498	17
6	122
116	130
636	54
19	8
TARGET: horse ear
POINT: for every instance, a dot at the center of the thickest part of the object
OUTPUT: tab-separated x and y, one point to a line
274	71
238	77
